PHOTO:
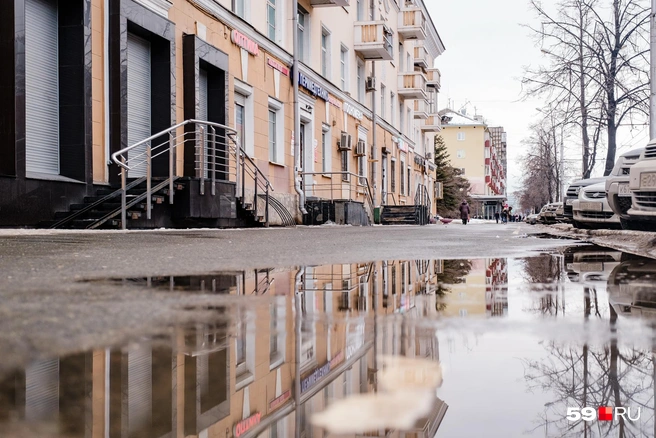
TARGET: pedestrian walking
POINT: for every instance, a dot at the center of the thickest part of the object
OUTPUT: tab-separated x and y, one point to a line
464	212
496	216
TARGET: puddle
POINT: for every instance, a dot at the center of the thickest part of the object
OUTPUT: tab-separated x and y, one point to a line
421	348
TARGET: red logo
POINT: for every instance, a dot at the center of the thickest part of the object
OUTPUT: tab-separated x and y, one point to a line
605	413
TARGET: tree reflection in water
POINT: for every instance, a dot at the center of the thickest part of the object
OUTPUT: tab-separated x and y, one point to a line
453	272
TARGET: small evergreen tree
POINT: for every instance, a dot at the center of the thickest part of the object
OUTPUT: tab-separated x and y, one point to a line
455	187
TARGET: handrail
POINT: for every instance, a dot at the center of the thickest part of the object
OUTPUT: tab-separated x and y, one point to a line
244	165
360	180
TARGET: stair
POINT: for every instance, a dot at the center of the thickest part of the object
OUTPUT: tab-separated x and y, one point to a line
103	210
399	215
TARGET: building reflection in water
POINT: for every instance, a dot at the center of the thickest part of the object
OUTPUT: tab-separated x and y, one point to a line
264	366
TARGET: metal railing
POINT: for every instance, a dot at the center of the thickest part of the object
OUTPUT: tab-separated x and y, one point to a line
423	204
218	156
348	187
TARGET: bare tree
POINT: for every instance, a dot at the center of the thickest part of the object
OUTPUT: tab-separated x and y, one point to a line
597	73
540	162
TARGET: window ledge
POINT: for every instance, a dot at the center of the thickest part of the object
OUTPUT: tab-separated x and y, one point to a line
327	176
276	164
276	361
243	380
51	177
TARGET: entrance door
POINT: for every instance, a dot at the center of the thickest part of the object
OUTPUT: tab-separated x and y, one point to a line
202	114
383	199
139	123
41	87
301	142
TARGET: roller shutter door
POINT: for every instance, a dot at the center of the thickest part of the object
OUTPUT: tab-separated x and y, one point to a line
202	111
42	390
41	87
139	390
139	86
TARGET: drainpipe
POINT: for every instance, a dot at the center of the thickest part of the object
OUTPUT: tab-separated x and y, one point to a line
374	120
106	84
297	116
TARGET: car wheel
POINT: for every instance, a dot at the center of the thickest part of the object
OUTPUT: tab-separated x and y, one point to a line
579	225
628	224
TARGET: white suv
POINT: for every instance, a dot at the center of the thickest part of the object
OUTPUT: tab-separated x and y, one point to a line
617	184
642	183
591	209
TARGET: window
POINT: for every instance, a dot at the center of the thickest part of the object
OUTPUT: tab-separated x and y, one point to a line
360	9
360	81
392	106
303	33
393	176
271	19
460	153
402	176
325	53
343	68
393	280
272	135
244	117
345	176
382	101
401	117
409	181
277	335
408	119
400	57
325	149
461	136
362	169
276	132
239	7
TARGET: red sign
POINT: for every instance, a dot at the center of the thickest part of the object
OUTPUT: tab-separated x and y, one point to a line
244	42
276	65
277	402
245	425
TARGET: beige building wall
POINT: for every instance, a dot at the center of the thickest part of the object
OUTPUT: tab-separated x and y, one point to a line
468	154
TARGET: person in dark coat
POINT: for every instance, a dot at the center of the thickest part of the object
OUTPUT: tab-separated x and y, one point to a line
496	216
464	212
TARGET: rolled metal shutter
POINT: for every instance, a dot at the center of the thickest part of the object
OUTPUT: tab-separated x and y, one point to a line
139	127
139	390
41	87
42	390
202	111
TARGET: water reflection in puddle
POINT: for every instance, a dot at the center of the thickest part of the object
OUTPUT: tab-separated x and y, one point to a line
485	347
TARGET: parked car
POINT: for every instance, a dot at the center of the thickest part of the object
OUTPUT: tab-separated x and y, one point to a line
573	193
548	213
617	185
591	209
560	212
632	288
590	264
532	219
642	184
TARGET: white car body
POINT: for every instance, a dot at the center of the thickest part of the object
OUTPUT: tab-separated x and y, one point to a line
632	288
642	184
617	184
592	208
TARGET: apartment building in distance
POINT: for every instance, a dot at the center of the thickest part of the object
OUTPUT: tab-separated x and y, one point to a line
96	89
479	151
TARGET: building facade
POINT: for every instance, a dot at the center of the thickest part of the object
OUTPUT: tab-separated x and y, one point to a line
479	151
88	78
255	370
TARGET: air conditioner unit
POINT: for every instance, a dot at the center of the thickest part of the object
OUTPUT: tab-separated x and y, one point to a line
344	142
371	84
429	155
360	149
385	150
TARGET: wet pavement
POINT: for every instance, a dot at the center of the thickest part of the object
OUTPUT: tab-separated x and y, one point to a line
495	346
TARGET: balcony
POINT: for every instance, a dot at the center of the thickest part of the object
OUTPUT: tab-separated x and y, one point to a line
433	78
422	59
322	3
432	124
412	24
373	40
421	109
412	85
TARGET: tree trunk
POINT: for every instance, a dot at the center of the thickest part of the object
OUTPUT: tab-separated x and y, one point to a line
610	93
587	166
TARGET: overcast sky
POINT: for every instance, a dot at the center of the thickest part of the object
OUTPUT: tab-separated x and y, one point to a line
486	50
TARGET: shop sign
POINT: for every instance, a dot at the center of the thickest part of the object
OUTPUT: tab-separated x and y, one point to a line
335	102
279	401
246	424
244	42
352	111
276	65
319	373
314	89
